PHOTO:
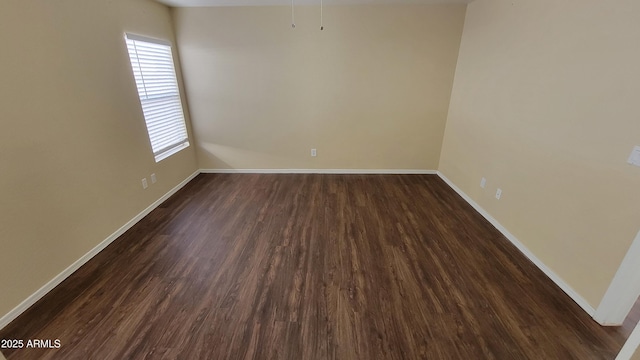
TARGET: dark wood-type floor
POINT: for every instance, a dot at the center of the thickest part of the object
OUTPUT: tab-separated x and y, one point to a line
312	267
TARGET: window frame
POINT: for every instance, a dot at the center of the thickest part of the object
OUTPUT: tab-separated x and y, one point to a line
146	101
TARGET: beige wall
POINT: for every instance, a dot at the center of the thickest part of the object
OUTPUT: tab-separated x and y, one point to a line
73	145
371	91
545	106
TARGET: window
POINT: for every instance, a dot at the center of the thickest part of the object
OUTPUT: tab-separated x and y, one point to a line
155	76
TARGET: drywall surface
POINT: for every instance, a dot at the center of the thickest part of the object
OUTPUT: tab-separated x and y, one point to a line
73	145
544	106
370	91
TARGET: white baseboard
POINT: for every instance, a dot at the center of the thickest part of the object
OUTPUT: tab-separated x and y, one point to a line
318	171
23	306
631	345
552	275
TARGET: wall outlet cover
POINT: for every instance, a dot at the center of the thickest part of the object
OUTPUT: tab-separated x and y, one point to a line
634	158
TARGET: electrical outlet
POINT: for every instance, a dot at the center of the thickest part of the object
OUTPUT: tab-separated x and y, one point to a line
498	194
483	183
153	178
634	158
144	183
313	152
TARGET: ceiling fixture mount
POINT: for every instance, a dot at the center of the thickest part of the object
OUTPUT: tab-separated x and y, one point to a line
321	26
293	15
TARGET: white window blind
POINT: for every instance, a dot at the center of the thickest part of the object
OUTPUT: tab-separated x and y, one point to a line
155	77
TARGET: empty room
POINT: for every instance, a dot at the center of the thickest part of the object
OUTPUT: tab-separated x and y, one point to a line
320	179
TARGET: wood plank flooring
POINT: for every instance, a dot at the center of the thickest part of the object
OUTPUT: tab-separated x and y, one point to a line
250	266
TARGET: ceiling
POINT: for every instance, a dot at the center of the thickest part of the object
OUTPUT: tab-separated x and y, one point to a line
193	3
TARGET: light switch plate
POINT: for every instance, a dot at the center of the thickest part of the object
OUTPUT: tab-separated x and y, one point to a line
634	158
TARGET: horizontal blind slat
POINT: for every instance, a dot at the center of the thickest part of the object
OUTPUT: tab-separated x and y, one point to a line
155	78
